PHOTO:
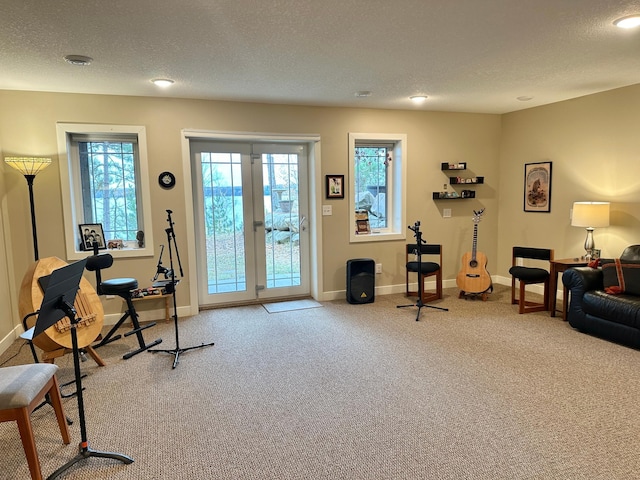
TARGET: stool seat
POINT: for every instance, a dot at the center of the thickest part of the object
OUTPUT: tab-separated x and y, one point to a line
427	267
529	274
118	286
22	389
20	385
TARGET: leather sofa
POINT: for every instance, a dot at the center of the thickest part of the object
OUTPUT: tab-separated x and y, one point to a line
593	311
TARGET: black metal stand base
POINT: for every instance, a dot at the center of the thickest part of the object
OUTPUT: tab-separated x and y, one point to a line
136	330
86	452
177	351
171	284
420	306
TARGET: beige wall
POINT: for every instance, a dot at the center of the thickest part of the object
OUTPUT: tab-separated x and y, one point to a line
591	142
594	144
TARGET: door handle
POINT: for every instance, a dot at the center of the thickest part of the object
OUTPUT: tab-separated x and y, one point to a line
301	224
256	224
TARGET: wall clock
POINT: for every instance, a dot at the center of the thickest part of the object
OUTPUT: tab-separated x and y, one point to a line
167	180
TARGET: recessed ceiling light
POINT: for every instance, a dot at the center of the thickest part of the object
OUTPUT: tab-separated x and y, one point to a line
162	82
80	60
630	21
418	98
363	93
524	98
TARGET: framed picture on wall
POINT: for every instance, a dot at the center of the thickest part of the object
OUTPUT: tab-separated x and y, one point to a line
335	186
92	234
537	187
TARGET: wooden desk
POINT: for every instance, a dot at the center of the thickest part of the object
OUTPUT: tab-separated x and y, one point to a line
559	266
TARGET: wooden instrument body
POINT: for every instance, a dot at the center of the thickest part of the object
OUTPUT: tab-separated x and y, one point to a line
87	305
473	276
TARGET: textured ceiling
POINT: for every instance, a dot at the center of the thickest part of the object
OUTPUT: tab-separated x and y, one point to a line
466	55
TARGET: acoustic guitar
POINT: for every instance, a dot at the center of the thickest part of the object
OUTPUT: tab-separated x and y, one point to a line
473	276
88	307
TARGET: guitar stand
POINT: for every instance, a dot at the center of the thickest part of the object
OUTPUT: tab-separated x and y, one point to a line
483	295
420	304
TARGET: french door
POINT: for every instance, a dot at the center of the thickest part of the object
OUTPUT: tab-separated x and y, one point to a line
252	236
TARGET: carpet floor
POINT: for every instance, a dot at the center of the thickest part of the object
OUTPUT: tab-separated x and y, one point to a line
352	392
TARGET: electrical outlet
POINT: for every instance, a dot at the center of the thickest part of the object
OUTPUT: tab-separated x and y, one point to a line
378	268
327	210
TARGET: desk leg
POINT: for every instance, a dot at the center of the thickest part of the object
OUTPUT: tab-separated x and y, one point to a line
553	287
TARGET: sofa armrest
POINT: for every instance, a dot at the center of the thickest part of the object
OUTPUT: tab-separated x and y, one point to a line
578	281
583	278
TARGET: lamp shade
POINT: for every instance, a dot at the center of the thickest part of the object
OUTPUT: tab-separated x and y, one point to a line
28	165
590	214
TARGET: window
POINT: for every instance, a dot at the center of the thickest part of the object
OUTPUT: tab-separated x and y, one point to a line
377	172
104	181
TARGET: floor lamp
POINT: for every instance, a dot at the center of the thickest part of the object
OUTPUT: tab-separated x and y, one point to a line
29	167
590	215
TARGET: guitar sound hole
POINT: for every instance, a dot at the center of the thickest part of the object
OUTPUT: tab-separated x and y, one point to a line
473	263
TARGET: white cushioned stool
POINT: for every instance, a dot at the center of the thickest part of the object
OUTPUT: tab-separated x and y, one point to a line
22	389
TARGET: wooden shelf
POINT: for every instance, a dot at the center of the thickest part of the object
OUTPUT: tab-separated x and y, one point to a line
466	181
453	166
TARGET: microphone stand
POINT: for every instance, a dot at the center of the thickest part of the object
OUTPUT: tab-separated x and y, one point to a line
172	282
416	230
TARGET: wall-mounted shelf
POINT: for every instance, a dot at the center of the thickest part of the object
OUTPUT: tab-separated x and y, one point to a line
465	181
463	195
453	166
457	180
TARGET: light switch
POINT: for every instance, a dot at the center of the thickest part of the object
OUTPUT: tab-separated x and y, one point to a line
327	210
446	213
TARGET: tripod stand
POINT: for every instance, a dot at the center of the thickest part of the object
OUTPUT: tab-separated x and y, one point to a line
58	303
170	286
420	242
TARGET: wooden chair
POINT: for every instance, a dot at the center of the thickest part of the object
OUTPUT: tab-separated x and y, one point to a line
530	275
22	389
429	269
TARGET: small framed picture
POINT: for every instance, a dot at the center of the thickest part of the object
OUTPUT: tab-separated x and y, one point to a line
335	186
537	187
91	234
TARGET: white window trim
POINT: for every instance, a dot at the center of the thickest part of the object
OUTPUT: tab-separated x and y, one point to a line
396	189
70	175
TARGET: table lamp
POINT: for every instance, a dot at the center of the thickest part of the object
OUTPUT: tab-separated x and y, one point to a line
590	215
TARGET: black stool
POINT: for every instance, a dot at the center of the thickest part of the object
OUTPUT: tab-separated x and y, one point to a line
121	287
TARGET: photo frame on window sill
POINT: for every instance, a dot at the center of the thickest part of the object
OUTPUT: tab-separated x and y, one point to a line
537	187
335	186
91	234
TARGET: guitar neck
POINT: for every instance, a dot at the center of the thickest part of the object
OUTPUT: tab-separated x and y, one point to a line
474	248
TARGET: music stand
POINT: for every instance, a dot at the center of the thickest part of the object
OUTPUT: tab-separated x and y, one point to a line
57	303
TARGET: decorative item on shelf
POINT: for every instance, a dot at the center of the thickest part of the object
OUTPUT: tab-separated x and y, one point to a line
590	215
91	236
140	238
453	166
115	244
362	222
29	167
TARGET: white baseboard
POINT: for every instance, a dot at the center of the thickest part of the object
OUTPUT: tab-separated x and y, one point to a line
451	283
